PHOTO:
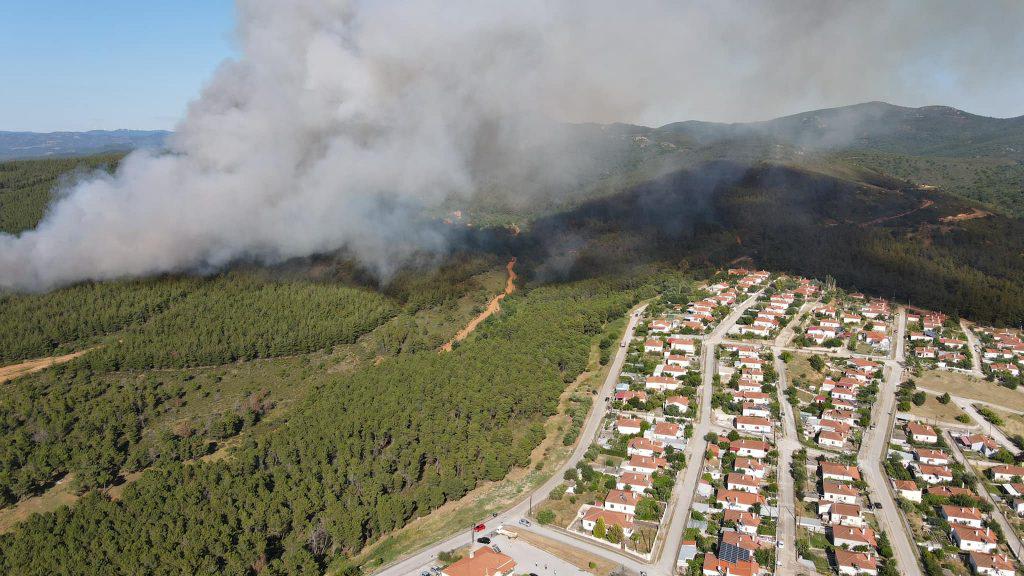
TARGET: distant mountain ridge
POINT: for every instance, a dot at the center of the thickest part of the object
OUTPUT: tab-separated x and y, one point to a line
27	145
925	131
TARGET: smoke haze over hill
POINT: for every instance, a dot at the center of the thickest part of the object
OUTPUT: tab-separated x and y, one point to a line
342	121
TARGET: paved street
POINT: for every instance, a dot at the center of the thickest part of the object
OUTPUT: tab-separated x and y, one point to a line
1012	540
874	446
974	346
788	443
684	490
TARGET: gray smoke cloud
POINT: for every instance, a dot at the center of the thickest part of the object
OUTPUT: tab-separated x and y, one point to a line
341	122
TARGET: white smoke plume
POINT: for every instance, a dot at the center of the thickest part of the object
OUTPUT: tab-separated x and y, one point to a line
342	121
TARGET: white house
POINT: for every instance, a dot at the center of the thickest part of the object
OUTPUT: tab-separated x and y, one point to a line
855	563
738	500
654	346
682	403
991	564
973	539
755	410
1006	473
743	483
932	474
907	489
753	425
921	433
831	439
636	482
840	472
628	426
624	501
665	431
845	515
749	448
962	515
843	493
750	467
661	383
933	457
852	536
610	517
687	345
644	447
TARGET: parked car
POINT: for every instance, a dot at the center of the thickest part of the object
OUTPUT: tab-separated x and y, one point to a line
479	528
878	505
483	540
524	522
496	549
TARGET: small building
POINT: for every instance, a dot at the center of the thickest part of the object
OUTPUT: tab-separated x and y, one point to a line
841	472
932	457
962	515
991	564
628	426
833	492
633	481
973	539
831	439
742	482
749	448
624	501
610	517
932	474
852	536
854	563
921	433
483	561
753	425
907	489
738	500
1006	472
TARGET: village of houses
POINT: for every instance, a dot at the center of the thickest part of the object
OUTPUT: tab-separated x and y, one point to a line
779	425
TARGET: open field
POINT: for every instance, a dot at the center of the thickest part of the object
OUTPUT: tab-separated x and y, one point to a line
800	371
966	386
933	410
62	494
1013	423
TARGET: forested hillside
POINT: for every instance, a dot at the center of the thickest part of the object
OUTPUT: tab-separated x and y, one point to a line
869	232
26	186
365	454
72	318
241	318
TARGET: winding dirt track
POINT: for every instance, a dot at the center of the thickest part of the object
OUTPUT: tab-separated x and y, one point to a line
493	306
12	371
924	204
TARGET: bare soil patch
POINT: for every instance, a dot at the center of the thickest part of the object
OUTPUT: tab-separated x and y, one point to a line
493	306
570	554
12	371
932	409
966	386
61	494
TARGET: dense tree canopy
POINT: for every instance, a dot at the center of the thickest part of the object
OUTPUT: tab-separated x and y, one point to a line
367	453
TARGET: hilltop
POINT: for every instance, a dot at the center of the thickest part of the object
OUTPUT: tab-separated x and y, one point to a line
26	145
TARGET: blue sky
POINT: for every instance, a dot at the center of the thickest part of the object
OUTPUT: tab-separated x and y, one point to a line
103	64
